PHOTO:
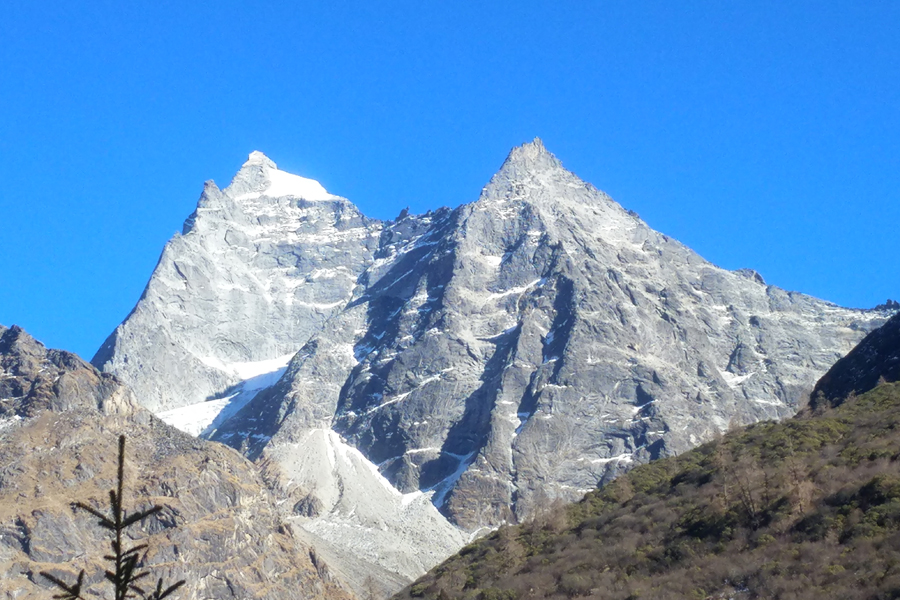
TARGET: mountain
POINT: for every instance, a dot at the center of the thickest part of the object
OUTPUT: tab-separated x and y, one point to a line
59	423
808	508
258	269
480	361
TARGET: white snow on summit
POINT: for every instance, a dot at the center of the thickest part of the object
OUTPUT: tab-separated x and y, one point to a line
280	183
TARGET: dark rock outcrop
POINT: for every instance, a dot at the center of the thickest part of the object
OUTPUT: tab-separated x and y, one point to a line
876	358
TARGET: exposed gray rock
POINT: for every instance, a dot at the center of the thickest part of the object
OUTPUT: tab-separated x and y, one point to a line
531	345
257	270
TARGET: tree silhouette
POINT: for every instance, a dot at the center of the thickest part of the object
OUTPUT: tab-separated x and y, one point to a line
127	568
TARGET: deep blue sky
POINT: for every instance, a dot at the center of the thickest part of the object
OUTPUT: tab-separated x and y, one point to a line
763	134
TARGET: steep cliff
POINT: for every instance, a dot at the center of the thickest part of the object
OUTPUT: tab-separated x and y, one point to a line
259	267
532	344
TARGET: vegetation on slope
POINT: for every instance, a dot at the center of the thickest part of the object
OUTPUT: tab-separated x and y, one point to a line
807	508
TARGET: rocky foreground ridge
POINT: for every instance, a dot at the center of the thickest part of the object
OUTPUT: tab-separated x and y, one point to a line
406	384
59	423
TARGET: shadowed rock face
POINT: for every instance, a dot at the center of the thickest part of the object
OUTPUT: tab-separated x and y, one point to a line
876	357
518	349
59	424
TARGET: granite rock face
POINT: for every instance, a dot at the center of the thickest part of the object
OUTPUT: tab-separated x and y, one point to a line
522	348
259	267
59	424
530	345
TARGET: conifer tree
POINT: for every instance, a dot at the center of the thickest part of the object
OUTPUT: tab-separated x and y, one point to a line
126	568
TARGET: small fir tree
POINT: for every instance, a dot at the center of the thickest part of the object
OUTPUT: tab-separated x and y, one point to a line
126	563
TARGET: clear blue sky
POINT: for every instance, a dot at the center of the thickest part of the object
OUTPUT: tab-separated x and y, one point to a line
762	134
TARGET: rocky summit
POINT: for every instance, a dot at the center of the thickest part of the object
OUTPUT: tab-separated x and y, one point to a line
405	385
219	528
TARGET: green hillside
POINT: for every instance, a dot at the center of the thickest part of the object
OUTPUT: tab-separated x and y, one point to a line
806	508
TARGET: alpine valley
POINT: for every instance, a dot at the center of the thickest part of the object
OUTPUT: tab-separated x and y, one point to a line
392	390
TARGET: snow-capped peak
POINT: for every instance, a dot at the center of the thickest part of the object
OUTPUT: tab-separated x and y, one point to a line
260	176
258	158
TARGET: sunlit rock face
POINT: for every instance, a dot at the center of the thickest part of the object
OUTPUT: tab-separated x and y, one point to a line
531	344
521	348
259	267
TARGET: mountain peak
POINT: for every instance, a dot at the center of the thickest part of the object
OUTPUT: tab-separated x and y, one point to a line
529	159
535	146
260	176
531	152
257	158
531	165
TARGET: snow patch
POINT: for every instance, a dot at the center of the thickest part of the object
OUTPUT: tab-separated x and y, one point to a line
626	458
193	419
9	421
515	290
443	487
636	409
422	450
404	395
247	370
733	380
340	271
202	418
767	402
322	305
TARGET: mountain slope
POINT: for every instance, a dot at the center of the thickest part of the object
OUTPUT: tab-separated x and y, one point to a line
804	509
59	423
876	358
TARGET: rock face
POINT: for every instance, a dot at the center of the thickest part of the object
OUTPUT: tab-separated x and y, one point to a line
59	423
259	267
876	358
491	358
